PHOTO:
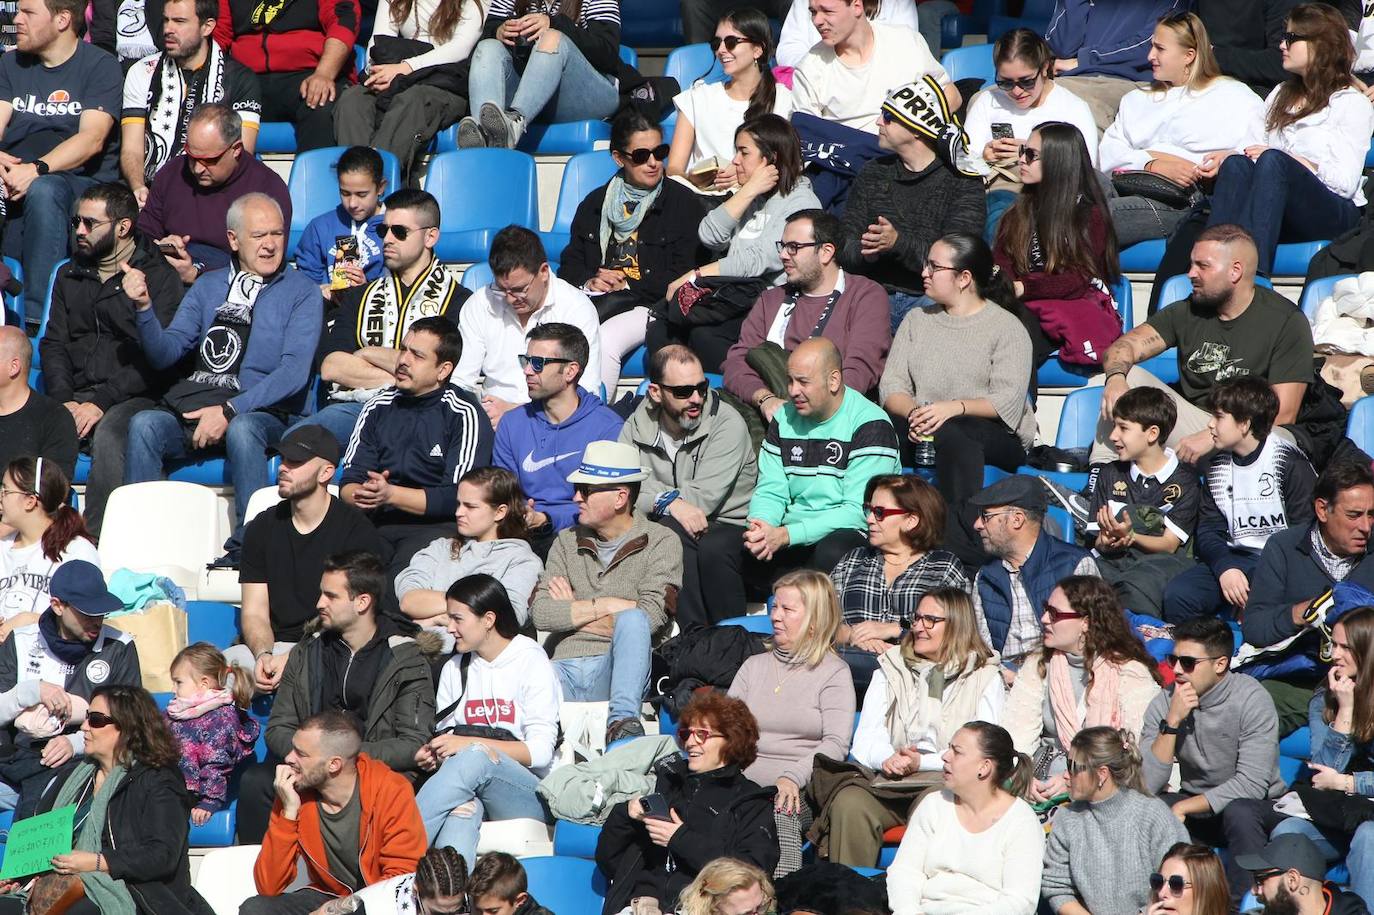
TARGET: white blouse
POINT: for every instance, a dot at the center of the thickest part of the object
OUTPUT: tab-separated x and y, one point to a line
1335	139
1182	122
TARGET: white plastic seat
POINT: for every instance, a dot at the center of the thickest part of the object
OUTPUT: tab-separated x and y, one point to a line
164	527
521	837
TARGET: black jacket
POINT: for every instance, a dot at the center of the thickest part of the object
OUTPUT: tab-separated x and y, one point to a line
723	814
91	351
1340	902
145	839
668	244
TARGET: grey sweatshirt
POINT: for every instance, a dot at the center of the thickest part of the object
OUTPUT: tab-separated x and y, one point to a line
1103	854
750	245
511	562
1233	750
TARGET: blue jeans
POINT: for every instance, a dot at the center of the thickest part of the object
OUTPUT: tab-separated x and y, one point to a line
1359	858
37	232
577	90
1275	198
998	203
156	436
903	302
620	675
1197	592
338	417
501	790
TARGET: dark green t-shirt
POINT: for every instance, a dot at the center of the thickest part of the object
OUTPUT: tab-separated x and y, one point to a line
340	833
1271	339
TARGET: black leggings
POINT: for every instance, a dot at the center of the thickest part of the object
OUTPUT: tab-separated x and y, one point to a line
963	446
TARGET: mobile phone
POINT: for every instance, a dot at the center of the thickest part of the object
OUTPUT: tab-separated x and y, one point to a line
345	254
656	807
1001	131
167	248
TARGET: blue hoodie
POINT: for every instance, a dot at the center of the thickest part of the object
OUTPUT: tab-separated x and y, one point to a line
1109	37
542	455
313	257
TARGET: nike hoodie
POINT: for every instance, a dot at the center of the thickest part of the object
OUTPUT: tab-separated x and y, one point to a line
542	454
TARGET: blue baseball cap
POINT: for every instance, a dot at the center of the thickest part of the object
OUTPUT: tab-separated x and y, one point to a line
82	585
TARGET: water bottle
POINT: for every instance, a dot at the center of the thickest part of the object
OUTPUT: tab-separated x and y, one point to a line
924	452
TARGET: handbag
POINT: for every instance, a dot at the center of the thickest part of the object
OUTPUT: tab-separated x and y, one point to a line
1152	186
54	894
709	300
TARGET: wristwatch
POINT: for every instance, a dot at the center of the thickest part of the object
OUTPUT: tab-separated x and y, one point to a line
40	166
1165	729
229	411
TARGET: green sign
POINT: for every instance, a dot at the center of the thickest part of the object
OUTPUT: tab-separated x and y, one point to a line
33	843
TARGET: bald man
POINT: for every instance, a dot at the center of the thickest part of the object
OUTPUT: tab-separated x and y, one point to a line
1228	327
30	423
821	450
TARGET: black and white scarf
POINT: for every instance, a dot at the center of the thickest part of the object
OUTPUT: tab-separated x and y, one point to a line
170	103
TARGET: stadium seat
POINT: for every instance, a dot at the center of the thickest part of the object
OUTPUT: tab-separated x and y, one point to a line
566	884
47	310
275	137
691	63
1316	292
1001	25
1292	259
575	840
972	62
225	877
1142	257
1297	744
760	623
314	186
479	192
633	366
1057	373
14	304
651	23
1360	427
1078	418
162	526
583	173
519	837
213	622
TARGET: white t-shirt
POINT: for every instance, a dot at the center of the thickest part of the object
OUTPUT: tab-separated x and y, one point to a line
1188	123
826	88
715	117
993	106
799	35
26	573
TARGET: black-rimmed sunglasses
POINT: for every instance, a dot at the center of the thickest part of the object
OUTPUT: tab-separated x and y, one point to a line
1175	883
99	719
1291	38
683	391
539	362
1029	154
89	222
401	232
1025	83
641	155
1184	661
730	42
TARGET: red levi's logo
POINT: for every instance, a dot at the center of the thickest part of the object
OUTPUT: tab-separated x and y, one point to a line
491	712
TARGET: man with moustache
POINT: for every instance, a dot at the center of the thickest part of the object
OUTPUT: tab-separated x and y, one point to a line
1290	879
702	470
92	362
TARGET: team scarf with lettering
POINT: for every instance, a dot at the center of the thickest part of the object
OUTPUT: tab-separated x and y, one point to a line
170	103
921	107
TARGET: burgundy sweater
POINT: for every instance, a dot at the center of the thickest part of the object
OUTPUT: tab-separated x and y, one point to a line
1066	285
177	205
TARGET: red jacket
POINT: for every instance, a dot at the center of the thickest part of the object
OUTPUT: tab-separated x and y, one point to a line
282	36
391	837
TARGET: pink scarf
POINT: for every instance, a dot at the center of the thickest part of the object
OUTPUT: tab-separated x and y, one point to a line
1103	700
199	704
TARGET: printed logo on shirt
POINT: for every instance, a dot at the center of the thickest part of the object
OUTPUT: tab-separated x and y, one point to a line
59	102
797	453
1268	485
97	671
834	452
1215	358
530	465
491	712
436	451
1172	493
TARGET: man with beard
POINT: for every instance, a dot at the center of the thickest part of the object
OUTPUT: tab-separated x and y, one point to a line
161	90
357	664
362	343
284	551
329	793
1228	327
702	471
818	300
92	362
1290	879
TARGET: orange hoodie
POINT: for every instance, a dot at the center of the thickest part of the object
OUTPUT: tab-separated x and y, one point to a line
391	836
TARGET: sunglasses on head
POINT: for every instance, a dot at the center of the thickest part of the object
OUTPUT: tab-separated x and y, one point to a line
1058	616
684	391
539	362
1176	884
730	41
1025	83
1030	155
1185	662
401	232
641	155
99	719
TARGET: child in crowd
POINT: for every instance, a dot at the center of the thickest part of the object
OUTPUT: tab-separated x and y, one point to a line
321	255
498	886
209	717
1145	504
1256	485
438	886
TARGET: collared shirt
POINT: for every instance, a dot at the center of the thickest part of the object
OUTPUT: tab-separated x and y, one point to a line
865	595
1025	633
1337	567
1173	490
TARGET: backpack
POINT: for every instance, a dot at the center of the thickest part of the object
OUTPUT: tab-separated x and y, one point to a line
700	658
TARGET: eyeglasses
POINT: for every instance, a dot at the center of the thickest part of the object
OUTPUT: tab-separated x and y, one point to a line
89	222
1175	883
1260	876
701	734
99	719
210	160
988	516
882	513
1185	662
932	267
641	155
684	391
401	232
792	248
15	492
1291	38
1025	83
519	294
1058	616
928	620
730	42
1029	154
538	363
586	490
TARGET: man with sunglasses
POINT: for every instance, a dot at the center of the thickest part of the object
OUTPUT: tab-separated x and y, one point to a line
191	195
702	470
1221	729
1289	878
363	335
92	362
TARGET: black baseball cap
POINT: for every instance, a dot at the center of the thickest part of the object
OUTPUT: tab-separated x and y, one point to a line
81	585
1017	490
1288	852
305	443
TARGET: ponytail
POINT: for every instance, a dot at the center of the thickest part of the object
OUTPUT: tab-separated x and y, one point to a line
47	482
239	681
1013	771
1022	774
66	526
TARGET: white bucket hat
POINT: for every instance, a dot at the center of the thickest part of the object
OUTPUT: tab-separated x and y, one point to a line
608	463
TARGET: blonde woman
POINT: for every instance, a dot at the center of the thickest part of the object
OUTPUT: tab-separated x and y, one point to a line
728	886
938	677
803	697
1190	114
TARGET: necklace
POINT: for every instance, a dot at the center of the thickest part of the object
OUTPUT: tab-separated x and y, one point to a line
782	680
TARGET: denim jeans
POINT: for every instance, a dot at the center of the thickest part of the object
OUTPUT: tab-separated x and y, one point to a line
500	790
108	445
338	417
903	302
577	91
620	675
156	436
37	232
1138	219
1277	199
998	203
1359	859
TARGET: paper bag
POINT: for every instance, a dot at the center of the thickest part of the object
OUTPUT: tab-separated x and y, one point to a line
159	632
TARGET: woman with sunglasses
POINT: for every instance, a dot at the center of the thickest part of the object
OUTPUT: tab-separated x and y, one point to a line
1092	671
1000	120
1303	181
1190	116
703	808
496	727
709	113
975	846
1105	844
630	238
882	584
1190	881
129	834
940	676
803	697
958	372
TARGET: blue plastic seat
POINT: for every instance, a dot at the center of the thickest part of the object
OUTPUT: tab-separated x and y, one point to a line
212	621
1078	418
1001	25
276	137
760	623
14	304
584	173
480	191
1360	427
972	62
693	62
1142	257
314	186
47	312
1292	259
1317	291
575	840
633	366
1057	373
651	23
566	884
477	275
